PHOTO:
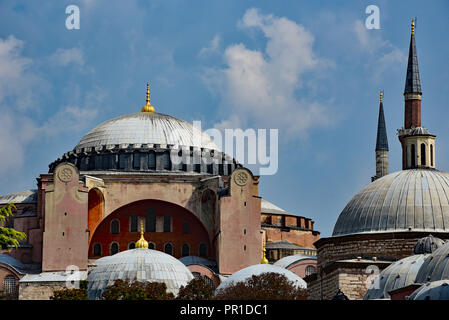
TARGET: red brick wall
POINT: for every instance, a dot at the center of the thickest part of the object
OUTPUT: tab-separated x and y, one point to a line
412	113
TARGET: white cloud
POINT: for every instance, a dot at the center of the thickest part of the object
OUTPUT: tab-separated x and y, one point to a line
213	47
386	55
64	57
16	80
260	88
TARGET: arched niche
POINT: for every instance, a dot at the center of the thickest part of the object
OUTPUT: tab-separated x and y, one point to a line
197	233
96	209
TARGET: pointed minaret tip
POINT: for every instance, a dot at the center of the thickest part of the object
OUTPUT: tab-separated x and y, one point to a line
381	95
413	26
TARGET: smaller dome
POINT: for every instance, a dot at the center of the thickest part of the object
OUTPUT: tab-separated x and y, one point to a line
138	264
437	290
436	266
287	261
427	245
258	269
397	275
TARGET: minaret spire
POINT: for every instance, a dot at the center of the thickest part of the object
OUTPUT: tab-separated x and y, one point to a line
418	145
381	143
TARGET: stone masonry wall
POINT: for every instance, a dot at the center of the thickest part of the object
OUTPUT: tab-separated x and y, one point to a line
39	290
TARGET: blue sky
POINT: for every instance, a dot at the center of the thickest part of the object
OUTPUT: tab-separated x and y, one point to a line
312	70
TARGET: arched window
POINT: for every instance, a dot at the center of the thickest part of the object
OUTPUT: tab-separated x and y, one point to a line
114	248
185	250
115	226
131	245
166	160
152	245
152	161
413	155
133	223
423	154
10	285
310	270
168	248
97	249
431	155
150	222
185	227
203	250
167	223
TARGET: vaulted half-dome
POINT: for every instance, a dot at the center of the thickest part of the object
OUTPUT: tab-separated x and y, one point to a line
413	200
146	128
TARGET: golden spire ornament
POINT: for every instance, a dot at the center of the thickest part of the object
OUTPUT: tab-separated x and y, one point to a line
264	258
381	95
142	243
413	26
148	107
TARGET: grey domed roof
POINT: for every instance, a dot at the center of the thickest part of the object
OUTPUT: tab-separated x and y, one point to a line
258	269
138	264
427	245
416	198
436	290
146	128
287	261
12	262
436	266
397	275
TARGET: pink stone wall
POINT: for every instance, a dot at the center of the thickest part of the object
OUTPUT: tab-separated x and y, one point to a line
65	239
240	239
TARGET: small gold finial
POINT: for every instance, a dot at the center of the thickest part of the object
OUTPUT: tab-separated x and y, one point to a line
413	26
142	243
381	95
148	107
264	258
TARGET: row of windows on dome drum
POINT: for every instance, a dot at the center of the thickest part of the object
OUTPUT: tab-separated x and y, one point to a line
114	248
150	223
150	161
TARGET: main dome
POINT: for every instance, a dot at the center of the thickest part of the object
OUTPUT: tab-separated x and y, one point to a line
415	198
146	128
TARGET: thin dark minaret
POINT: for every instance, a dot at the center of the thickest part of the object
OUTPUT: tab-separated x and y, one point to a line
381	144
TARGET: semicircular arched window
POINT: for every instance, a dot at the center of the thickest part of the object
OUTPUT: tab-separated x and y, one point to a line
115	226
168	248
114	248
10	285
185	250
97	249
203	250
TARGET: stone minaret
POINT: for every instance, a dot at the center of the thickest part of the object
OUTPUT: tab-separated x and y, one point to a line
418	145
381	144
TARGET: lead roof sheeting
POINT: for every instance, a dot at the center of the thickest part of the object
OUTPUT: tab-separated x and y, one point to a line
416	198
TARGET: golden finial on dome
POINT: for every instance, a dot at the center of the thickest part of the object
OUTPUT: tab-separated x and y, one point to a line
381	95
142	243
264	258
148	107
413	26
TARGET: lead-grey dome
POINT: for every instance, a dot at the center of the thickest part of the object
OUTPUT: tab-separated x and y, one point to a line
397	275
436	266
258	269
427	245
138	264
437	290
416	198
146	128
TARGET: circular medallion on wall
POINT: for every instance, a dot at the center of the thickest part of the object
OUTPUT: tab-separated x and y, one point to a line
65	174
241	178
